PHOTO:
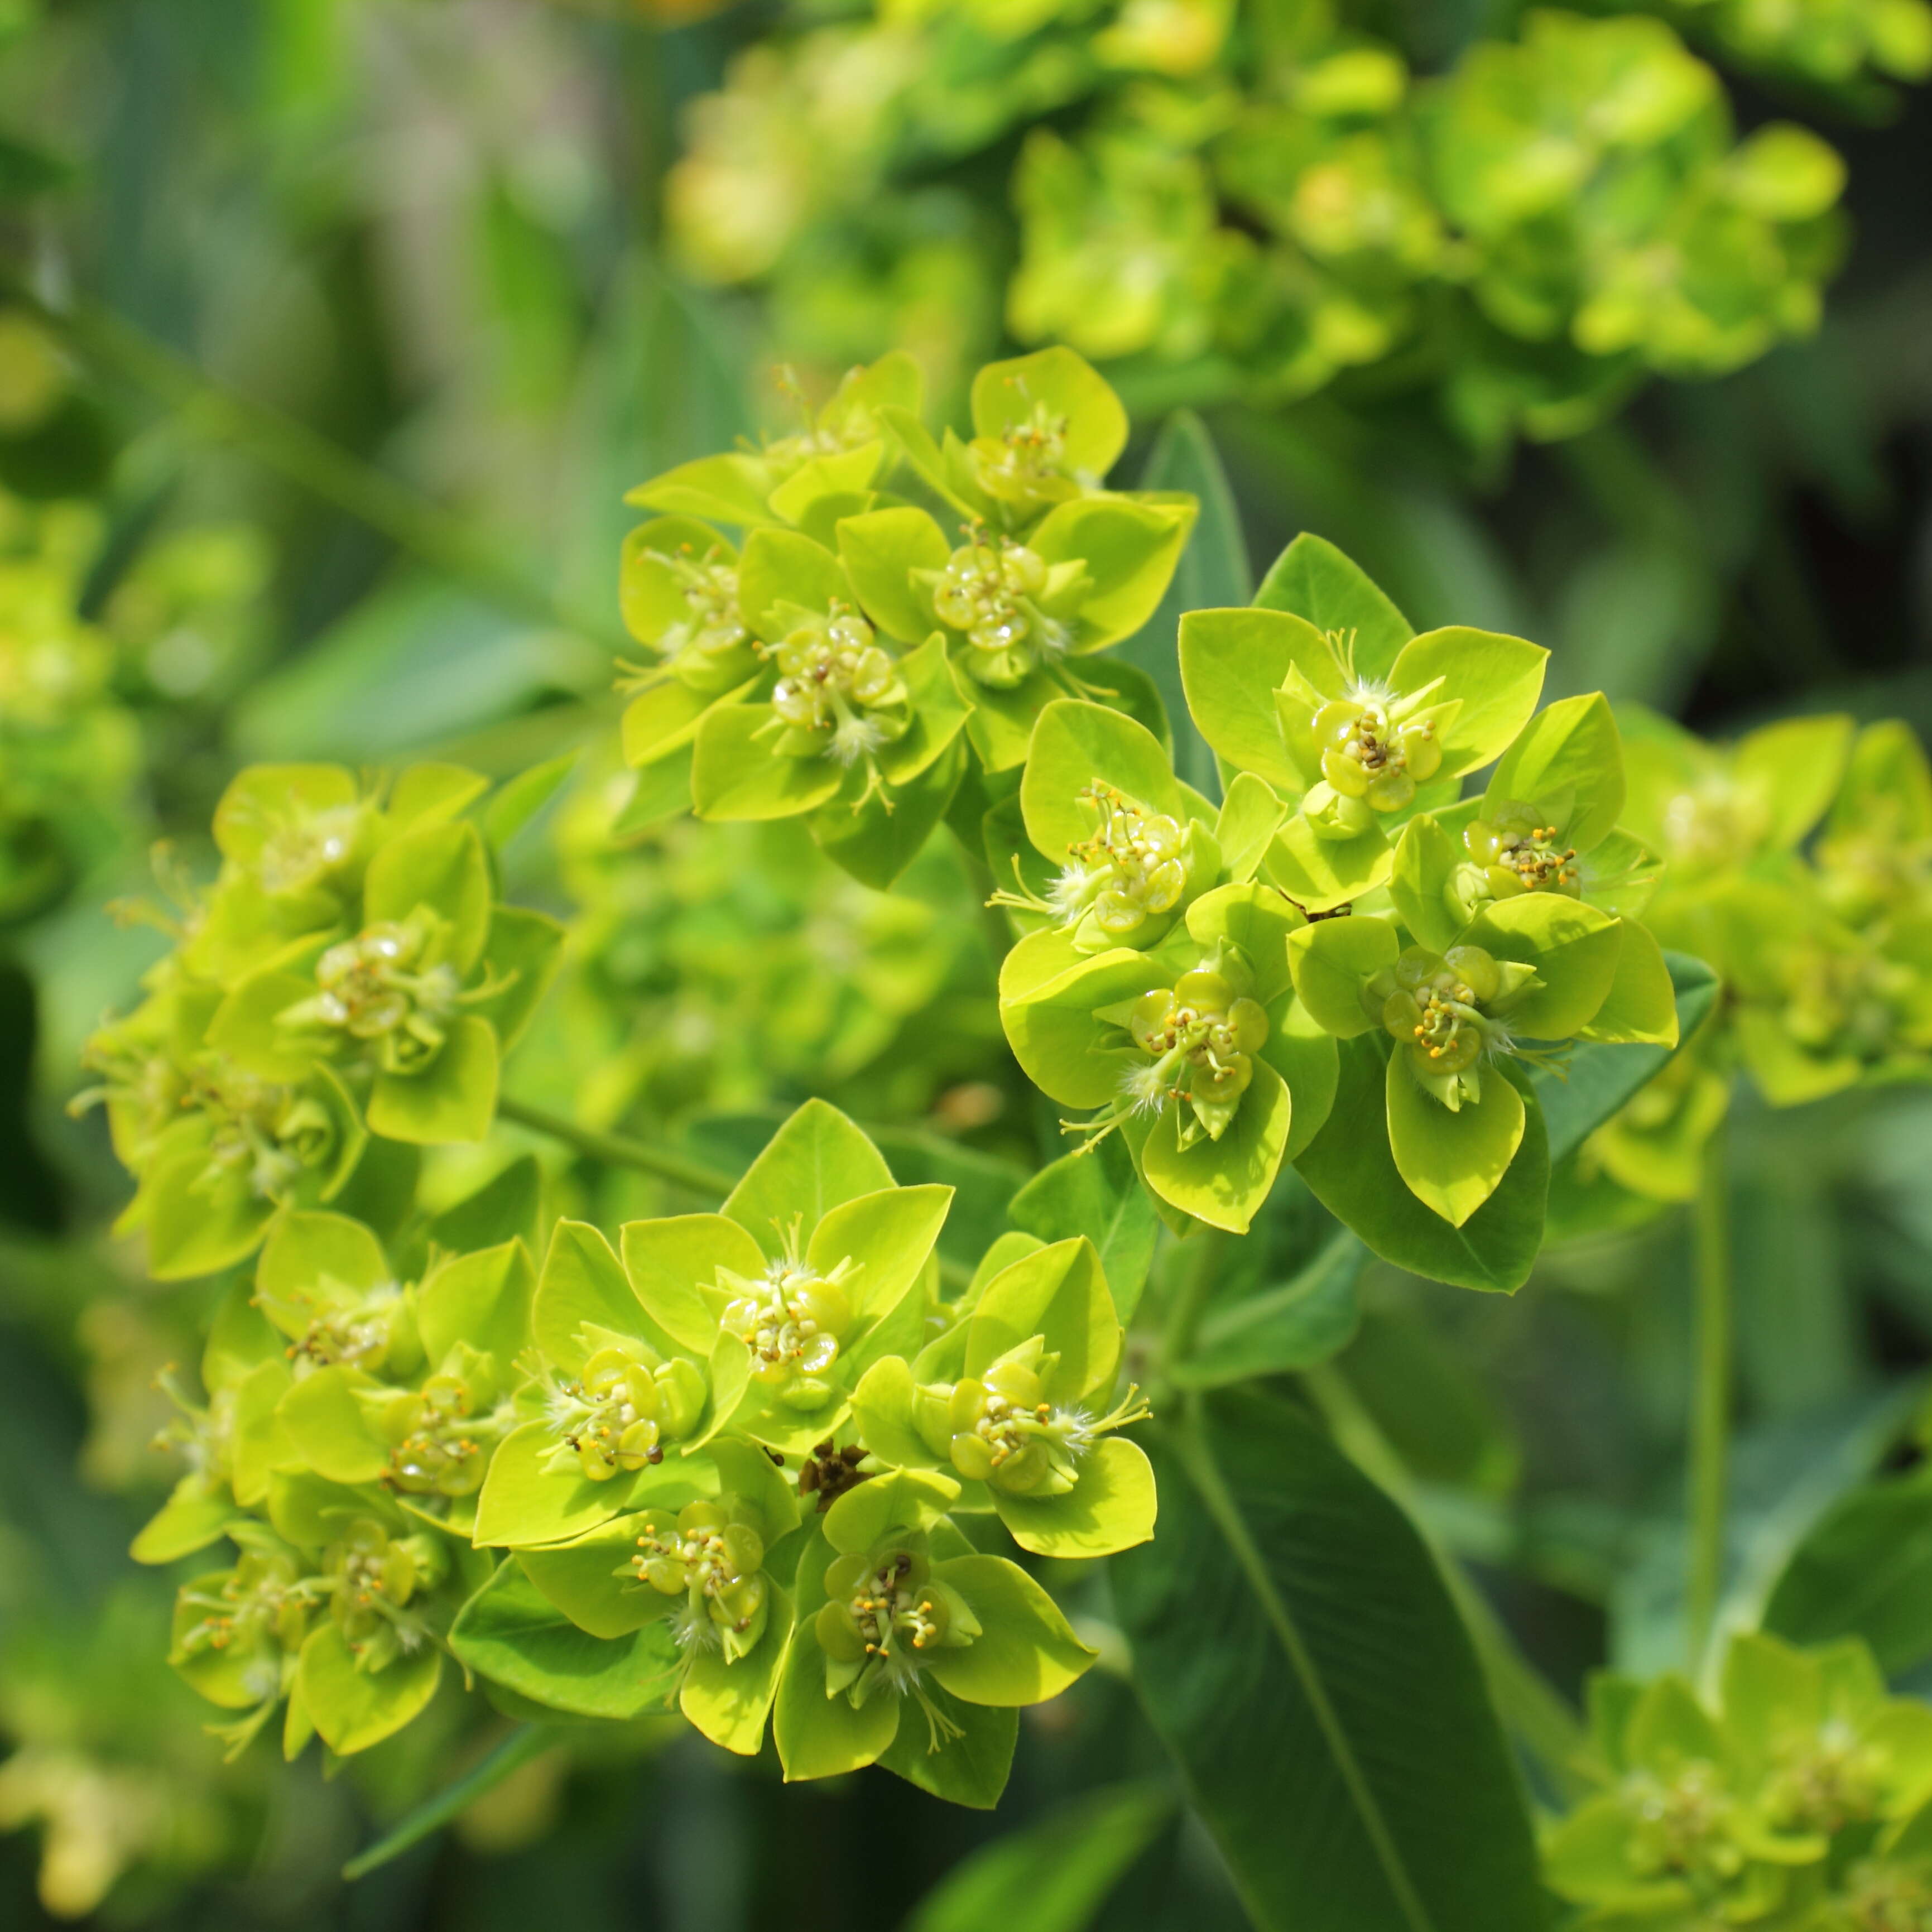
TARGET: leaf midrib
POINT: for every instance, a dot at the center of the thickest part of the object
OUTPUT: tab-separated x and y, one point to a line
1191	1444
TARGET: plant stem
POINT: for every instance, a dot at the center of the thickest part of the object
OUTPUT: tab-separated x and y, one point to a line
526	1743
1541	1719
1710	1398
308	459
620	1149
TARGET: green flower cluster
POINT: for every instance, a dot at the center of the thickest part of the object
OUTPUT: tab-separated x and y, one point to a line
1801	1803
1193	971
1800	865
708	964
1253	203
857	656
719	1464
69	754
342	994
740	1442
72	749
1841	44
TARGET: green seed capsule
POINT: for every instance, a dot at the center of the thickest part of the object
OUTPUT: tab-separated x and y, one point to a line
1204	991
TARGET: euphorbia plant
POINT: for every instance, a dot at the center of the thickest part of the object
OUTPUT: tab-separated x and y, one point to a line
817	1435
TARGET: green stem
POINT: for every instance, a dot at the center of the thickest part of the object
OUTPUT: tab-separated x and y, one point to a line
310	460
1538	1716
526	1744
1710	1399
620	1149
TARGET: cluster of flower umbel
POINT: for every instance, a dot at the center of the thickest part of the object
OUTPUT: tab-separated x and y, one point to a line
736	1451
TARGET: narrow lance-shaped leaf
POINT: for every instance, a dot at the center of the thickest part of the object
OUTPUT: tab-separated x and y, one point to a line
1299	1656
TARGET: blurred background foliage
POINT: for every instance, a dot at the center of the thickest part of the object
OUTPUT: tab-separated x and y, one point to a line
372	310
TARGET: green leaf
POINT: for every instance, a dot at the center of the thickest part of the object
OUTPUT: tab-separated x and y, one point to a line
1253	918
1326	874
354	1709
1452	1162
1251	815
244	1025
1130	551
482	1298
1315	581
888	1234
731	488
880	549
433	794
521	957
1574	948
816	1160
1064	1051
193	1228
735	773
1051	1876
1499	679
730	1703
1232	663
1569	758
876	842
443	867
1076	745
1595	1082
523	797
511	1633
1213	573
1001	726
1864	1570
969	1769
1640	1009
323	1423
660	789
819	1736
310	1511
882	1412
1331	960
1225	1182
662	719
307	1249
504	1208
581	1577
1068	388
651	597
939	714
194	1515
452	1099
523	1502
1111	1507
1426	859
582	1282
780	567
1303	1321
670	1261
1793	767
1352	1171
905	1502
1096	1193
1058	1292
1025	1653
1297	1652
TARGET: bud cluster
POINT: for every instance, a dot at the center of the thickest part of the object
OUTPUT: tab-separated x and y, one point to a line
1565	210
1785	1803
